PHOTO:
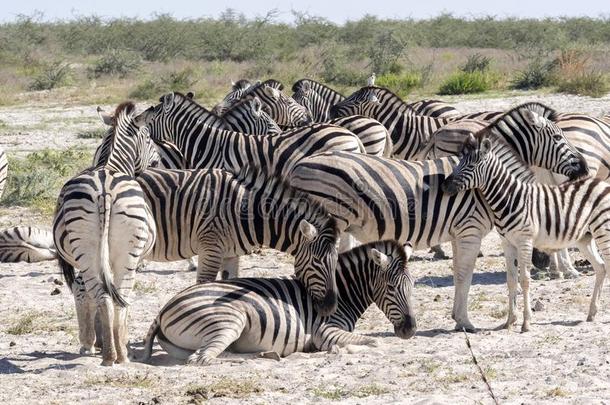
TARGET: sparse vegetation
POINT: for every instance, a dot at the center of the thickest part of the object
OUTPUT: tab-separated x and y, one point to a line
50	76
224	388
127	380
332	393
115	63
557	392
97	133
37	322
591	84
370	390
400	83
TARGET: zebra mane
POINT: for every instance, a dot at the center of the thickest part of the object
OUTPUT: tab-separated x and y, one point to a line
241	84
383	90
314	84
261	177
394	248
539	108
126	107
270	82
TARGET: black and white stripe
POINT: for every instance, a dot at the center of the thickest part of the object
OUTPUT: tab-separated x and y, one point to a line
103	227
375	198
248	117
216	215
26	244
276	314
237	91
532	214
3	170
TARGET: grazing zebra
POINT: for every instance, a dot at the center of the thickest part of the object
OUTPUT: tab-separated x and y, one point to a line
198	135
103	227
533	214
216	215
26	244
375	198
237	91
276	314
247	116
3	170
282	108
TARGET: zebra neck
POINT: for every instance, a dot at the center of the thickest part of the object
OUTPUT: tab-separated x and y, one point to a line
513	162
193	122
503	191
355	286
119	159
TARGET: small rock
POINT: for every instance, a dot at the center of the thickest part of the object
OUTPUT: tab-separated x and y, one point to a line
12	343
50	279
581	362
58	282
56	291
437	298
538	306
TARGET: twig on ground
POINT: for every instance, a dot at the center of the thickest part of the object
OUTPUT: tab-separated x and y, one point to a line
476	363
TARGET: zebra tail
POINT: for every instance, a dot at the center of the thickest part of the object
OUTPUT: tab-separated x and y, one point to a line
68	271
150	339
104	205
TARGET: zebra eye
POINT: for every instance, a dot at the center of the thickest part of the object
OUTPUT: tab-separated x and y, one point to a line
557	137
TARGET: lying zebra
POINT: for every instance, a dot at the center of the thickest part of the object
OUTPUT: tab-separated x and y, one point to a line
532	214
277	314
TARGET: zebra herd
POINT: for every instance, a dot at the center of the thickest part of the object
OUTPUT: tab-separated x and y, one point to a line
313	175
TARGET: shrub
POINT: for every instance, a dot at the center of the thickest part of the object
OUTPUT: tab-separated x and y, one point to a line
401	84
476	63
466	83
50	77
385	52
591	84
146	90
537	74
178	81
35	180
115	63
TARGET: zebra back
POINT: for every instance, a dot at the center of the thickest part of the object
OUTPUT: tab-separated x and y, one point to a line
237	90
26	244
433	108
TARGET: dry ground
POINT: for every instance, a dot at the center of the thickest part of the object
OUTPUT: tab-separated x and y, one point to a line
561	360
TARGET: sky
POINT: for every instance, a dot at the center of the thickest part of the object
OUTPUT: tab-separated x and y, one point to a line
337	11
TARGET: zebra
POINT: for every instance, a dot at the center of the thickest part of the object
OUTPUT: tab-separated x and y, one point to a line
284	110
3	170
198	135
248	117
378	198
550	217
448	139
102	226
276	314
237	90
217	215
26	244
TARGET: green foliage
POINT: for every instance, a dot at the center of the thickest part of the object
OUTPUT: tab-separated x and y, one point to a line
51	76
591	84
151	88
400	84
385	52
466	83
476	63
537	74
35	180
115	63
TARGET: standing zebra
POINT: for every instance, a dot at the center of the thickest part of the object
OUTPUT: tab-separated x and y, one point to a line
532	214
374	198
216	215
26	244
103	227
198	135
3	170
276	314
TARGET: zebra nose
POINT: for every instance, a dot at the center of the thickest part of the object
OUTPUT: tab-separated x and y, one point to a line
449	186
327	305
407	328
334	112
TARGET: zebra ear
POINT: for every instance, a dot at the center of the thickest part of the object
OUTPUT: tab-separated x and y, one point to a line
534	118
308	230
305	86
256	106
272	92
380	259
408	250
106	118
485	146
144	117
168	101
190	95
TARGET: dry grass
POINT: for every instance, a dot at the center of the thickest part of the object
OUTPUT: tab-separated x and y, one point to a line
225	387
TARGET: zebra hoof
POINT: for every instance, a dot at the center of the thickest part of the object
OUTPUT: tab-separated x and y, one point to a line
199	360
108	363
87	351
570	273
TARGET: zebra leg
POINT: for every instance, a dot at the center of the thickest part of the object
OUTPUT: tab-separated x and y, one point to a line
327	337
106	308
587	248
565	264
512	271
465	251
210	263
230	268
85	314
525	263
216	341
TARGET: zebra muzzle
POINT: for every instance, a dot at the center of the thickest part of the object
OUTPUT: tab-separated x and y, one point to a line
327	305
407	328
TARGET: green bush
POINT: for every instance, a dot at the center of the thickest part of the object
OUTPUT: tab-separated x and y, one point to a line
35	181
537	74
50	77
591	84
466	83
476	63
385	51
115	63
146	90
400	84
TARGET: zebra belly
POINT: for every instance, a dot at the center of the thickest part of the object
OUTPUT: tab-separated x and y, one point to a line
284	344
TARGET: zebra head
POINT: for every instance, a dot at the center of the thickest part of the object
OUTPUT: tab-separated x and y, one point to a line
363	102
471	170
315	263
282	108
237	91
249	117
393	285
311	100
126	147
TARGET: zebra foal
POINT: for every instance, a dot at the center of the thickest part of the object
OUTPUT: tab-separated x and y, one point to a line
533	214
276	314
